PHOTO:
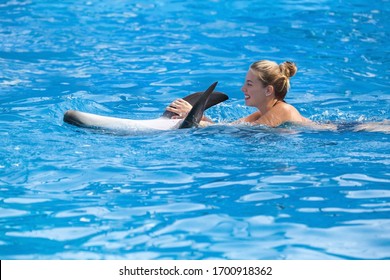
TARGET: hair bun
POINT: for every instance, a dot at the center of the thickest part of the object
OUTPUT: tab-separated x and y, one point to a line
288	68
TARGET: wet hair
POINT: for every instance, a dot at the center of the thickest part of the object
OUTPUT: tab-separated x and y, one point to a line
278	76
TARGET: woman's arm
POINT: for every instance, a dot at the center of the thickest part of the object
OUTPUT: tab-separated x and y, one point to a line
182	108
179	107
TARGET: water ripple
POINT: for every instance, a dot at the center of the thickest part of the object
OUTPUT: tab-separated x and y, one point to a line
57	234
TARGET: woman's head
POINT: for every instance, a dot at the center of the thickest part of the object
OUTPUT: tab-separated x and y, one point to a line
278	76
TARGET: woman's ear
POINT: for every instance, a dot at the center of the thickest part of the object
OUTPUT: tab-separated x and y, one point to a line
269	90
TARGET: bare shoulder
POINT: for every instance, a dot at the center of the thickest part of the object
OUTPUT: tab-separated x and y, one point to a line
280	114
285	107
290	113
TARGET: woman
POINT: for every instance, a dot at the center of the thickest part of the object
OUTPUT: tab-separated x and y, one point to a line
265	87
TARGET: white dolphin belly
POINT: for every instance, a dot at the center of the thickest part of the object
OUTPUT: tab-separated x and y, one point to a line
118	124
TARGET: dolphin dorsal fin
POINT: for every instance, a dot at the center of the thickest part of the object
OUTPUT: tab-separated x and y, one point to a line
215	98
195	115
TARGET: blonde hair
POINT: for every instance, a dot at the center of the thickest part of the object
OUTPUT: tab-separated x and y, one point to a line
278	76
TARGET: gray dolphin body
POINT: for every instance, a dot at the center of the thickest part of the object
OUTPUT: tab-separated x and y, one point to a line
200	102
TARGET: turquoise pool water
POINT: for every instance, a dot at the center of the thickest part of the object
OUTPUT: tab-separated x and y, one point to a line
221	192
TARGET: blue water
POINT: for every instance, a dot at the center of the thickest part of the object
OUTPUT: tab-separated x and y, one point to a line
221	192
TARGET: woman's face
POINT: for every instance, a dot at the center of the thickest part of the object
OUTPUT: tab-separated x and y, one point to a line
254	90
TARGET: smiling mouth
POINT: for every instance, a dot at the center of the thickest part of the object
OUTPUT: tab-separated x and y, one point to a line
246	97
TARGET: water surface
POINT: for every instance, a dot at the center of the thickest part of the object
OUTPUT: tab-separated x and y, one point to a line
221	192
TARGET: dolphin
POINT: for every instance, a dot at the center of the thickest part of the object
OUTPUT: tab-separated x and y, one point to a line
200	101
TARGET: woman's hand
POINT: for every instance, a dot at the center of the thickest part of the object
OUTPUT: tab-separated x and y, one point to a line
180	107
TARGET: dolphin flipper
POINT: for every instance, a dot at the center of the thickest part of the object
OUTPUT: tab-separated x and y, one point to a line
215	98
195	115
